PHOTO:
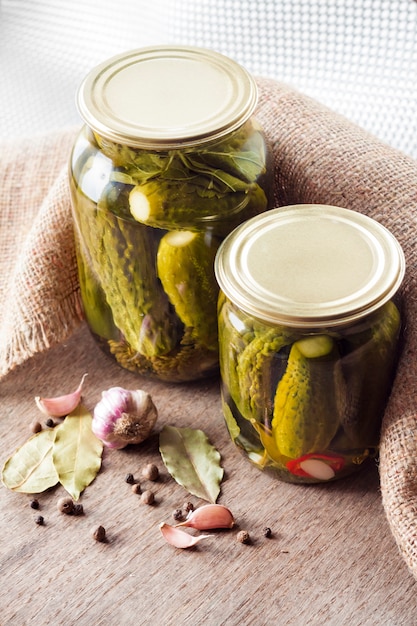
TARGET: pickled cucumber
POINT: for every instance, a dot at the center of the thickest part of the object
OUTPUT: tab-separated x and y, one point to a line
185	265
95	308
115	198
369	367
306	415
177	204
122	263
237	334
259	366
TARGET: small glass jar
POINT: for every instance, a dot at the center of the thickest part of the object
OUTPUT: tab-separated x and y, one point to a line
309	330
170	161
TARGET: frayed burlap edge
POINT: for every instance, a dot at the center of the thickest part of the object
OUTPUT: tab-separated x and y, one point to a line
43	305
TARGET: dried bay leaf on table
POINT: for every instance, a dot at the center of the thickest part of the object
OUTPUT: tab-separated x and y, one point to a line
31	468
192	461
77	452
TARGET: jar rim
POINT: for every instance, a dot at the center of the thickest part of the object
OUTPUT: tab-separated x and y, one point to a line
167	97
310	266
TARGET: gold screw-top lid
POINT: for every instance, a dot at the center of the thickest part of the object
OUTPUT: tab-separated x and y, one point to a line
166	97
310	266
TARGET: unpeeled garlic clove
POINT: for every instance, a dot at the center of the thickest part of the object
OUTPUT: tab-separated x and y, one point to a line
60	406
179	538
209	517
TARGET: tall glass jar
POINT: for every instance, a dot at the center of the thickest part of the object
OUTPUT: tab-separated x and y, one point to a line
309	329
170	160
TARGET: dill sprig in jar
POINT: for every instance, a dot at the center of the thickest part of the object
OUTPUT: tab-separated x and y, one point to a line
309	331
170	160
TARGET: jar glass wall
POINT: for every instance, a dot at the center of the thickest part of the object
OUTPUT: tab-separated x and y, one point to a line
307	404
309	332
148	225
170	160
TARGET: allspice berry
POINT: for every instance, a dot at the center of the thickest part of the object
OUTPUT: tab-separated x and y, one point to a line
243	536
147	497
136	488
99	533
66	505
35	427
150	472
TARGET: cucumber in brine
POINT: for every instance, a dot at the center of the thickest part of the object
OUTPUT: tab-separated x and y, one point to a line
306	413
369	366
185	263
183	205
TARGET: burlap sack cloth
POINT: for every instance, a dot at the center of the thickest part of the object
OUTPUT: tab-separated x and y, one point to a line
320	157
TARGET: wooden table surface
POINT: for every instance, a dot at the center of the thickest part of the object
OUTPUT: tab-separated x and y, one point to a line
331	560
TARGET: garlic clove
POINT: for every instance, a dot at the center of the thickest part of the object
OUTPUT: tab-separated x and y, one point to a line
209	517
179	538
318	469
60	406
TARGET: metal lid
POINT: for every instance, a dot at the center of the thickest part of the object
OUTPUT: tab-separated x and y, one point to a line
166	97
310	265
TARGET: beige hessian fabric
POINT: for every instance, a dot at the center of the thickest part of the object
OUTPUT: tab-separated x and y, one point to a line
319	157
38	279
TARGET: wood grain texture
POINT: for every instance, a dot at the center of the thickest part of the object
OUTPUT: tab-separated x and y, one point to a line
331	560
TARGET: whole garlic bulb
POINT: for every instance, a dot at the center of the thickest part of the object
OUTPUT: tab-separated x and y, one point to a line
122	417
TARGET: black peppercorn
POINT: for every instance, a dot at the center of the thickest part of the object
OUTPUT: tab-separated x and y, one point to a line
34	504
78	509
40	520
267	532
50	422
129	479
188	507
177	515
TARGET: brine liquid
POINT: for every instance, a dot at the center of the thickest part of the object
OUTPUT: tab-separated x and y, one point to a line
307	406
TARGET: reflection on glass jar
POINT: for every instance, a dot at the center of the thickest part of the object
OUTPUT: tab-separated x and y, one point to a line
154	191
307	363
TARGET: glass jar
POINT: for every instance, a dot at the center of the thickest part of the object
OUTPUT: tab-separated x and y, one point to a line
169	161
309	330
